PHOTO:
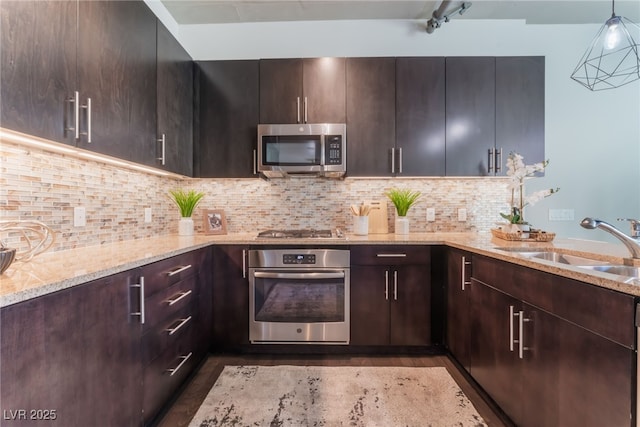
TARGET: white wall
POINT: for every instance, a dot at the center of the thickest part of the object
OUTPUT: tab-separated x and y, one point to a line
592	139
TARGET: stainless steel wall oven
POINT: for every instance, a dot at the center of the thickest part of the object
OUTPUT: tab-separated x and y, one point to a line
299	296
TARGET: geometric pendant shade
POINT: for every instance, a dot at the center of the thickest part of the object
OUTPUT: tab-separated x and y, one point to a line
612	60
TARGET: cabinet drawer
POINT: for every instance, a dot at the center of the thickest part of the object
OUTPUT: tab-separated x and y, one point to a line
163	274
166	373
164	304
390	255
168	332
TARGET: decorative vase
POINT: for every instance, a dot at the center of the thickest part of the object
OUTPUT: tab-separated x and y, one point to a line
521	228
185	226
402	225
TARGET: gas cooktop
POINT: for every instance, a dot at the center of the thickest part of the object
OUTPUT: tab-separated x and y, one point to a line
299	234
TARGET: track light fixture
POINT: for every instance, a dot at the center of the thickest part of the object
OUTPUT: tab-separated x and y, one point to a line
442	15
612	60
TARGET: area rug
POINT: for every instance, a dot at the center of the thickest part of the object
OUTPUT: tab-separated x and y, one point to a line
335	396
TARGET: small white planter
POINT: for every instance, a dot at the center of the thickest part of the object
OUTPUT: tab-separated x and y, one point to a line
185	226
402	225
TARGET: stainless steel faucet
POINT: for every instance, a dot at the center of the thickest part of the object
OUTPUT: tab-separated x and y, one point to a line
631	242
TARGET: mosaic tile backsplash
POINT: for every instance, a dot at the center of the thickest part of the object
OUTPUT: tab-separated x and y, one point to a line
43	186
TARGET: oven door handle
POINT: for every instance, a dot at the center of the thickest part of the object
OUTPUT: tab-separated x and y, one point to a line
338	274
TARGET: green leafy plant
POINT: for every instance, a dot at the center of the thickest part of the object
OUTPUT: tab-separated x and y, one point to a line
403	199
186	200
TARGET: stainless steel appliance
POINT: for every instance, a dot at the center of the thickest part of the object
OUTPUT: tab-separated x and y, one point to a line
301	234
317	149
299	296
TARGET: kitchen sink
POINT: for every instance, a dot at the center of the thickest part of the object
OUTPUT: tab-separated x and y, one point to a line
553	256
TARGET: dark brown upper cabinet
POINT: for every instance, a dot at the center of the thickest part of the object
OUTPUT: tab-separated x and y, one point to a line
520	85
174	105
103	51
420	117
117	79
494	106
38	67
310	90
470	115
371	116
226	118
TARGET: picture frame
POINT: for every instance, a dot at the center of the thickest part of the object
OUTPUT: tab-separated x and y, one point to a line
214	221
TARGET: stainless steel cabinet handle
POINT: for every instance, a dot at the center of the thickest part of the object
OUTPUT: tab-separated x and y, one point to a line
338	274
395	285
162	157
87	107
400	160
398	255
491	159
255	162
180	325
244	263
305	109
173	371
521	347
298	109
179	297
498	160
179	270
76	115
393	160
465	282
386	285
141	312
512	314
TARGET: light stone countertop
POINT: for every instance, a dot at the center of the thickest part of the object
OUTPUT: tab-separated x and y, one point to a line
54	271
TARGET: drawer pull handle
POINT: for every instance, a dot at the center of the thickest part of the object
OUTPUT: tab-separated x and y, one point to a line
180	325
391	255
181	296
173	371
179	270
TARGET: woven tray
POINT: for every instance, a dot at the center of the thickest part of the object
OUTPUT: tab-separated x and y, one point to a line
534	236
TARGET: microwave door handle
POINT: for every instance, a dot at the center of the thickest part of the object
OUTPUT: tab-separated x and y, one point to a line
322	150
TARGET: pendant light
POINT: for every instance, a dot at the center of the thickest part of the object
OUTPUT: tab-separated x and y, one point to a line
612	60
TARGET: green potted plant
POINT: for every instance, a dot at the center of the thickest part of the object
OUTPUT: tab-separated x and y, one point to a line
402	199
186	202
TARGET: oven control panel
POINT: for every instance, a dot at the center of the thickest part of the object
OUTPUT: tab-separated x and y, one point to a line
299	259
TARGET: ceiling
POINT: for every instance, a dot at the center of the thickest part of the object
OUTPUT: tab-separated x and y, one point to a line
187	12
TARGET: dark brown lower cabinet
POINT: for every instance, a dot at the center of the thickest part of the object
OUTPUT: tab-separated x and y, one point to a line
72	358
390	296
458	321
231	302
537	352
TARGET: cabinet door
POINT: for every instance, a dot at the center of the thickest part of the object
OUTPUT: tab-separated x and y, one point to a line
470	111
371	124
174	104
520	107
420	116
231	302
281	91
324	90
370	293
410	308
574	377
494	363
117	70
38	67
458	336
226	123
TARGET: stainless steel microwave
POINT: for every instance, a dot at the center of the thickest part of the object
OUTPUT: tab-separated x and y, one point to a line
311	149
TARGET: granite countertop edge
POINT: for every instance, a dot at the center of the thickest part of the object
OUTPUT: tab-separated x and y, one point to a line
55	271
